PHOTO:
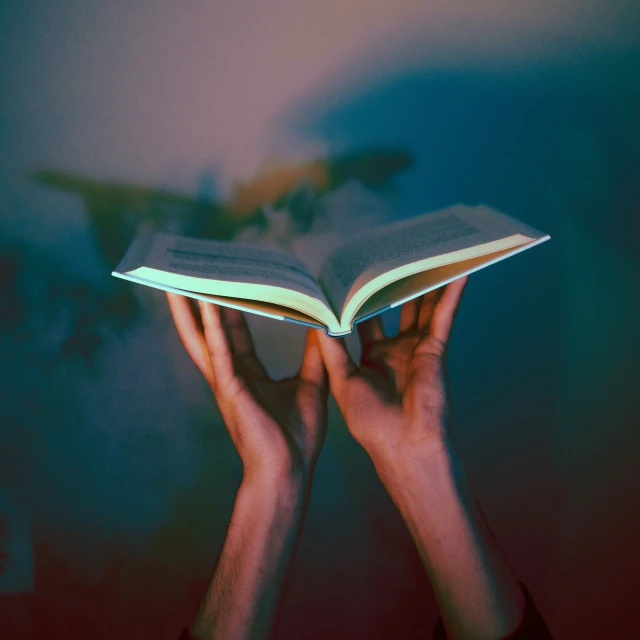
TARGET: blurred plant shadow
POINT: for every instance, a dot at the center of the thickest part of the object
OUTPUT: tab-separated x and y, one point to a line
94	309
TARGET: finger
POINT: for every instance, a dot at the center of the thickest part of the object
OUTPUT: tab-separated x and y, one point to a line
409	314
429	301
237	330
313	369
370	331
217	343
337	361
238	335
190	333
445	310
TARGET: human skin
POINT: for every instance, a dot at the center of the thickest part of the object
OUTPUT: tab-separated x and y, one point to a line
278	428
395	404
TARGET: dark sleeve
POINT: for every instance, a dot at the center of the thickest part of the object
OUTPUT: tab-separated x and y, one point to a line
532	626
185	635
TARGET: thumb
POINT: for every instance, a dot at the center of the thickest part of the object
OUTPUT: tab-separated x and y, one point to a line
445	310
337	360
312	369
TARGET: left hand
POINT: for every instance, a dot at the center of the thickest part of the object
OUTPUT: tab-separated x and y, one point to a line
277	426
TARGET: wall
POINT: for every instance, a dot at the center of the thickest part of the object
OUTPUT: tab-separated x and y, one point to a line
116	472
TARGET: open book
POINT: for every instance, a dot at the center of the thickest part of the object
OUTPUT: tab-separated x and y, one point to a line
367	275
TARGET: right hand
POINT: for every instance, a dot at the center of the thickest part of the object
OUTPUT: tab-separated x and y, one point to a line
277	426
395	403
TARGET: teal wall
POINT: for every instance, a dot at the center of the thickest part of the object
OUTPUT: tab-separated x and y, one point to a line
113	459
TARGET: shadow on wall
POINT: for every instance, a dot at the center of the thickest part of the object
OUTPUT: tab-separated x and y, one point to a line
505	139
550	404
557	148
117	212
56	322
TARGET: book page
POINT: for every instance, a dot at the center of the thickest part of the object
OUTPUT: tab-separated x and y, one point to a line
266	309
353	265
221	261
403	290
230	270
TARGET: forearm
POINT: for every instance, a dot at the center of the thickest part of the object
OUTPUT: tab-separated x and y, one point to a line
242	597
476	593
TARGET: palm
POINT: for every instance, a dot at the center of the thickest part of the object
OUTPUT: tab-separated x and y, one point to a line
398	393
275	425
277	422
392	382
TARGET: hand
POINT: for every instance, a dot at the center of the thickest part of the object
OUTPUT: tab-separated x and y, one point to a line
395	403
277	427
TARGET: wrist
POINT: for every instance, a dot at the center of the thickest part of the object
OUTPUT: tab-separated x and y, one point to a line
415	463
279	473
275	487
